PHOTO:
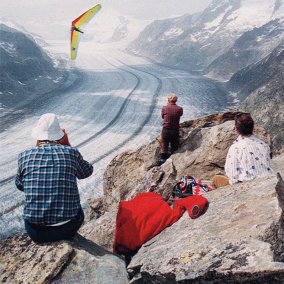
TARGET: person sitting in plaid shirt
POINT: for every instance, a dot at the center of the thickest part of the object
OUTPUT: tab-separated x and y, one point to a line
47	174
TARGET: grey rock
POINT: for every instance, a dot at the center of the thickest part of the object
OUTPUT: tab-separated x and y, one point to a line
76	261
101	230
228	243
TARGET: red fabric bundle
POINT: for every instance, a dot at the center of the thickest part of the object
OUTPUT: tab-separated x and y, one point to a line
140	219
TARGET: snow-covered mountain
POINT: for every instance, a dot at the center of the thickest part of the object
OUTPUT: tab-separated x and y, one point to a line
249	48
119	28
196	41
269	69
107	25
25	67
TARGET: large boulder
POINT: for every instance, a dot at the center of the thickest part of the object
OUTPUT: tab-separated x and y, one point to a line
76	261
202	153
239	239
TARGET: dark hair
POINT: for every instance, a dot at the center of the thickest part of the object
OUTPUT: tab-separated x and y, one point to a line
244	123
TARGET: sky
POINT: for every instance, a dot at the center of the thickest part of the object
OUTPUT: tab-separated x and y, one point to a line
51	19
146	9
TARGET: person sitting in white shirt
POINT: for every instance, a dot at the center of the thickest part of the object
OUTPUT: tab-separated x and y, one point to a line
248	157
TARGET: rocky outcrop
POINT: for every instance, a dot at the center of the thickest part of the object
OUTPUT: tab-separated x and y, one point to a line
77	261
204	145
230	242
202	153
239	239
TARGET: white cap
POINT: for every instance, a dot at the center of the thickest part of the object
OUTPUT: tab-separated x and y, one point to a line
47	128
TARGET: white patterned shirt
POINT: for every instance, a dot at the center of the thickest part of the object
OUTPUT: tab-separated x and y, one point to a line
248	158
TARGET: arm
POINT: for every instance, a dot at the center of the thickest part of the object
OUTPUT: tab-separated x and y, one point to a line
19	176
84	169
232	165
163	112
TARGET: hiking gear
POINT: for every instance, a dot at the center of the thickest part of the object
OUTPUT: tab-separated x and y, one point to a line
47	128
220	181
188	186
42	234
48	175
140	219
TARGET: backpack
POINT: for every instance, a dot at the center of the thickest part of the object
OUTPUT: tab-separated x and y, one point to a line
188	186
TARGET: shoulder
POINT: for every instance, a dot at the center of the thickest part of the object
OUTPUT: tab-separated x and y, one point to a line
28	152
74	151
236	145
68	152
67	148
254	141
237	142
258	140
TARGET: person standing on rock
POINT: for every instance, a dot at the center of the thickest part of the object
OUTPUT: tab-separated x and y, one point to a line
48	176
248	157
171	114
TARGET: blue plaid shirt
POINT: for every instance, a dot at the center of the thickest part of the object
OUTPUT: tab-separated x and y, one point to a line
47	175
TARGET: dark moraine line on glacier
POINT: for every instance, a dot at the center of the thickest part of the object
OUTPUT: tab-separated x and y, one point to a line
104	129
119	113
146	120
13	207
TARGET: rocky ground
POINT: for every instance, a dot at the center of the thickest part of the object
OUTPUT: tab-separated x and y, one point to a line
238	240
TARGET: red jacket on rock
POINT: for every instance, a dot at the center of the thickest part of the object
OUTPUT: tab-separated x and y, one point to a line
140	219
